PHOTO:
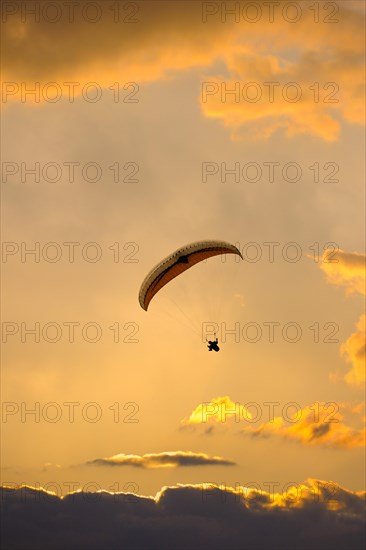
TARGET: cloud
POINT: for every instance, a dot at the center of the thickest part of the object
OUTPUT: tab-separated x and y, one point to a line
240	299
354	351
317	82
253	111
50	466
345	269
320	424
161	38
163	460
215	413
171	37
314	514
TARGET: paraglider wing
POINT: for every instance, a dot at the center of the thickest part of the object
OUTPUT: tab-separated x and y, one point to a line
178	262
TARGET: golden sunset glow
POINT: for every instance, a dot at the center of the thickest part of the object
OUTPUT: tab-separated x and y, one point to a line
183	270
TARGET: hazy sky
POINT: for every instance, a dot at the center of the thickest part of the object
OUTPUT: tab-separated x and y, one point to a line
148	128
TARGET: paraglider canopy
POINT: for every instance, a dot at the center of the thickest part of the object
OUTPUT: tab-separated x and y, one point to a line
178	262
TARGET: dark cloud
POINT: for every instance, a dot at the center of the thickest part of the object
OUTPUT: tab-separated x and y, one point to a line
162	460
183	517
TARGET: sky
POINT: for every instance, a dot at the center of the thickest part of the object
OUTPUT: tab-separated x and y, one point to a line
130	129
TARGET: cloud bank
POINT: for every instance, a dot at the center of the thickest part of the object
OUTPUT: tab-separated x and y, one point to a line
316	514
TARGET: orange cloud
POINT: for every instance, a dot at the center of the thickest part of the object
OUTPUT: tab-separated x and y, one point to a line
269	94
345	269
330	494
217	412
173	36
152	42
318	424
325	69
354	351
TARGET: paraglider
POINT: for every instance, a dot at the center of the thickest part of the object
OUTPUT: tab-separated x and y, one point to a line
176	263
213	345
